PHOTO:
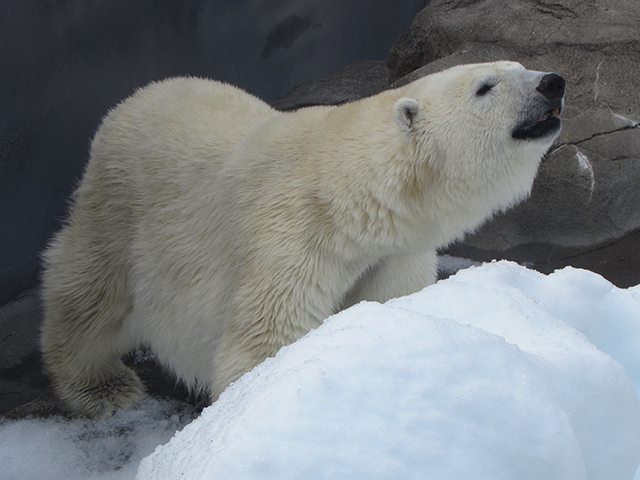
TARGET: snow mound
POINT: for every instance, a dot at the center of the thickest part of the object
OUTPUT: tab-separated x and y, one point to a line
496	373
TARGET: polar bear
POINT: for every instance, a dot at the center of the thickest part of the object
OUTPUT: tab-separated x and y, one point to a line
216	230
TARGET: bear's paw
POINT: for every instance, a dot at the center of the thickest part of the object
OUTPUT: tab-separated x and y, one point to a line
121	390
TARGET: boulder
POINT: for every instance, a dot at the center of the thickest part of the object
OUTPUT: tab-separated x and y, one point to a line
353	82
583	209
21	377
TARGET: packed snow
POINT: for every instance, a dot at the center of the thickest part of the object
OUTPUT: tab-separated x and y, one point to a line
498	372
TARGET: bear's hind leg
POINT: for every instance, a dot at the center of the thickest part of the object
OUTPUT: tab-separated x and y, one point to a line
86	301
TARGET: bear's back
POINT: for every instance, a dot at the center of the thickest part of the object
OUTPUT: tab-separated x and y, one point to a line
185	117
154	148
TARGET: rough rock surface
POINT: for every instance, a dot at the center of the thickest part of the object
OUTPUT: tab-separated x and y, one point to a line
356	81
21	377
583	210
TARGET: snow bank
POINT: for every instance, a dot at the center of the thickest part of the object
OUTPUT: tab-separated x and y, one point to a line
485	375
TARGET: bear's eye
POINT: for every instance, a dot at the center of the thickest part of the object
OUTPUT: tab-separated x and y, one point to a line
484	89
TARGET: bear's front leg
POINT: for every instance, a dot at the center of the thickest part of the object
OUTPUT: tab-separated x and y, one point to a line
269	317
240	351
394	277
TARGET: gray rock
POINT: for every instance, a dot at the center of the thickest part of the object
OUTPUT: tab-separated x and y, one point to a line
356	81
21	377
20	327
583	210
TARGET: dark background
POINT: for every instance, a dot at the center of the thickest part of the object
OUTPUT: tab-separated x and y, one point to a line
64	63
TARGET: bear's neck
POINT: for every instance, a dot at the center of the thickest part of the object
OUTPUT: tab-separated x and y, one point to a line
388	194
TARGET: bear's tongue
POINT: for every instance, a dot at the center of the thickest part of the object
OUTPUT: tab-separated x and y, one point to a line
549	114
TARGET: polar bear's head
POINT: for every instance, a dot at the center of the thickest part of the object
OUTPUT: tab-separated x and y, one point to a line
500	98
486	125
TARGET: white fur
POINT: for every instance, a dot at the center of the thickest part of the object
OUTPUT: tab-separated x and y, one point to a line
216	229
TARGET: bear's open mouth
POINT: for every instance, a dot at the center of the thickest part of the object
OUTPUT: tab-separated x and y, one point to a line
549	114
548	124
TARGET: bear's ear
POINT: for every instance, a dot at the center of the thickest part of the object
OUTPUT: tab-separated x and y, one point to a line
404	113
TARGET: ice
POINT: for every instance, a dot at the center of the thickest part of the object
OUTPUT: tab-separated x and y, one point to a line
498	372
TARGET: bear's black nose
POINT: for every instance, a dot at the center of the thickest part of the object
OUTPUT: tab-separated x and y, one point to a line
552	86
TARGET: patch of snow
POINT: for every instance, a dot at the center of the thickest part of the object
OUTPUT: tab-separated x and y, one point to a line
596	87
449	265
82	449
585	166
